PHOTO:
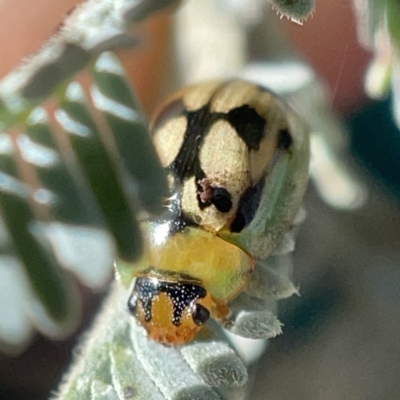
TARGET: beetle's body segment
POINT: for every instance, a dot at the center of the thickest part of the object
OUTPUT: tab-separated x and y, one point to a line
237	162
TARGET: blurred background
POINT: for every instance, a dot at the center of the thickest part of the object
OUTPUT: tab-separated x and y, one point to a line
340	336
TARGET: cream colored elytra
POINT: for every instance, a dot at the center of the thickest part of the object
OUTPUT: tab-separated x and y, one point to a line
237	162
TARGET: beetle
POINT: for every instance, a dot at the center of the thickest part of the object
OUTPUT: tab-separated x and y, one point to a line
236	157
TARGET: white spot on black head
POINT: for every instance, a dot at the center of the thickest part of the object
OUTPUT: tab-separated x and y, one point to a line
132	303
182	295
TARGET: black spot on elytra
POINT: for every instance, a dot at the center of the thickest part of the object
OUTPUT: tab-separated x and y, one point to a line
218	196
221	199
249	125
248	205
238	223
285	139
186	163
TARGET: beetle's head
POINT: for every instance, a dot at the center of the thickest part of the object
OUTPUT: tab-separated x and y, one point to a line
171	310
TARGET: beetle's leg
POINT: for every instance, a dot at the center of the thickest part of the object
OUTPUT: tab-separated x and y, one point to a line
222	314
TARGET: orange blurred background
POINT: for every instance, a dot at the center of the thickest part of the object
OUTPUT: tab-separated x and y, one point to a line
327	40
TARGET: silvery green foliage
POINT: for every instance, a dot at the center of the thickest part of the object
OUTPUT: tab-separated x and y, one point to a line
57	215
56	177
379	31
94	26
117	361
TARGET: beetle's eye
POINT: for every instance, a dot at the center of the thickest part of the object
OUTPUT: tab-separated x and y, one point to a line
132	303
200	315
